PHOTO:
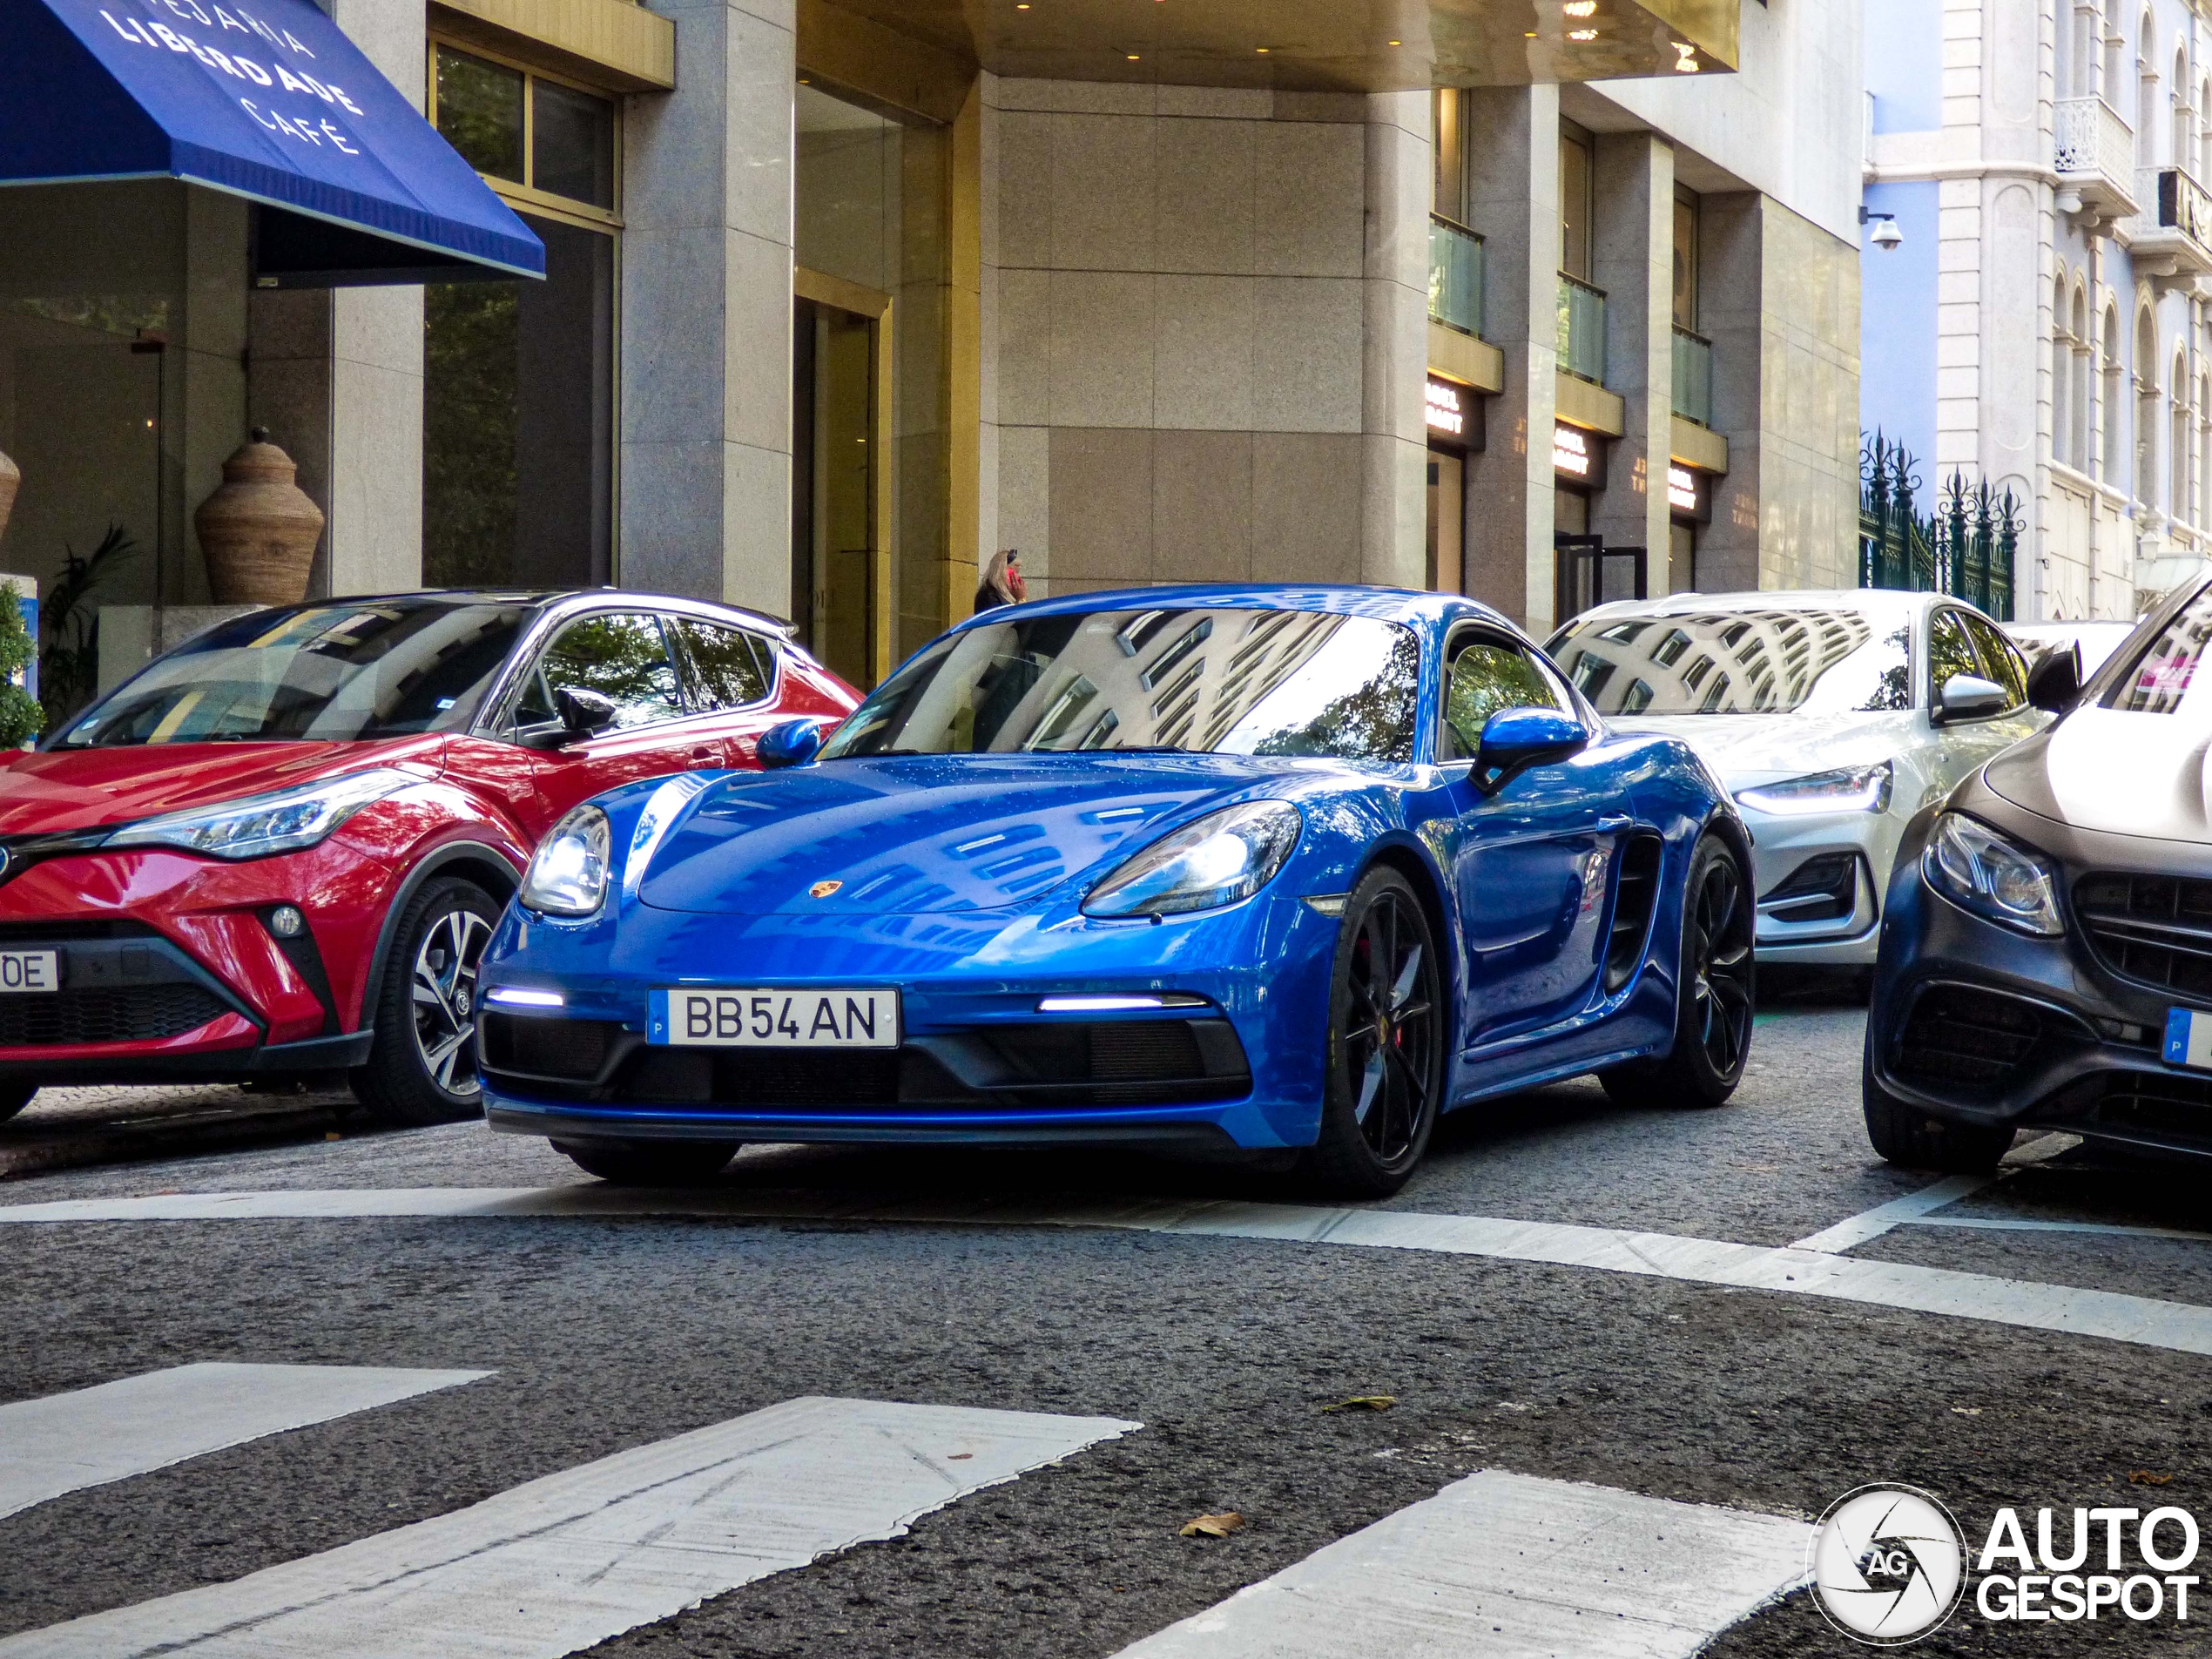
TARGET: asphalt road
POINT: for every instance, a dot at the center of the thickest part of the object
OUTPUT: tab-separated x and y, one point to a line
607	1332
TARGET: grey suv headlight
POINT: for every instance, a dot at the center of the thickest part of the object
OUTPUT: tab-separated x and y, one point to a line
259	825
1224	857
568	874
1978	870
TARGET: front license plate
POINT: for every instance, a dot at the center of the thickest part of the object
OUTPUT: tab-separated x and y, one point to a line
30	970
770	1017
2189	1039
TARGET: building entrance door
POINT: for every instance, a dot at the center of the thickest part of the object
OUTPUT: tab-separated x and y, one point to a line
835	429
1591	574
1447	474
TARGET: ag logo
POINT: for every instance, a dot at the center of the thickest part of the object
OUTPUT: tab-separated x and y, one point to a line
823	889
1889	1565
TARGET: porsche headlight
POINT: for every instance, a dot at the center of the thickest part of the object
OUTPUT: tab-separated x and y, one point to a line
258	825
1848	789
1224	857
1978	870
568	877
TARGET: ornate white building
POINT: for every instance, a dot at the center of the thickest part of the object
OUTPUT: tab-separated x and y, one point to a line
2044	324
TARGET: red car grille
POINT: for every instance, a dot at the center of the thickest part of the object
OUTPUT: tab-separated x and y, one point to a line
121	1014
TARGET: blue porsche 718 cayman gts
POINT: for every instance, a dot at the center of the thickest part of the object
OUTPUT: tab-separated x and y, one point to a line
1252	867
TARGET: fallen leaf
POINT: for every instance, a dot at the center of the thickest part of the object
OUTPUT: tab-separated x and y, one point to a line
332	1135
2145	1477
1364	1403
1966	1411
1214	1525
958	1457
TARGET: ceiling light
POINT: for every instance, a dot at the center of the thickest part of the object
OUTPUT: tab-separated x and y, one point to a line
1581	7
1581	34
1263	51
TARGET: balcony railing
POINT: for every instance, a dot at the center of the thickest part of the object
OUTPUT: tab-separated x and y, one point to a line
2096	151
1455	276
1581	329
2173	200
1693	377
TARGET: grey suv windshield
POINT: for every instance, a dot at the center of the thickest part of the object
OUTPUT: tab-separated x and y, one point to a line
1222	682
328	672
1740	662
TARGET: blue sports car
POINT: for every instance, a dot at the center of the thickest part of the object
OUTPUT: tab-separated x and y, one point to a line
1248	867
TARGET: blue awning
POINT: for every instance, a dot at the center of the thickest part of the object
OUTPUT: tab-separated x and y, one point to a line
266	100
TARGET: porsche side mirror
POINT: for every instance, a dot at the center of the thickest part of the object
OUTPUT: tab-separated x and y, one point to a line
795	743
1515	740
1968	697
2055	683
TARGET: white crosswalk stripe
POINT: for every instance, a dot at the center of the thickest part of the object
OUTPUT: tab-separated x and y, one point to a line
1502	1566
91	1436
562	1563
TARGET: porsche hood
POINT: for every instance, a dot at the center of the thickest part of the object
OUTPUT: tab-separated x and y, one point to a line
928	834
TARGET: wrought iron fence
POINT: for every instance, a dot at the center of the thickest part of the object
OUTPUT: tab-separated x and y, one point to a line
1965	547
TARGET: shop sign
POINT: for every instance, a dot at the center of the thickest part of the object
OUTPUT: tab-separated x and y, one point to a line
1578	457
1452	413
1689	494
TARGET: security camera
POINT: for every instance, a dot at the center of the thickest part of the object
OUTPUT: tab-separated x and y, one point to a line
1887	237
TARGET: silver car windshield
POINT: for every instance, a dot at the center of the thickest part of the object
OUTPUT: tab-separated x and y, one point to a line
1740	662
1218	682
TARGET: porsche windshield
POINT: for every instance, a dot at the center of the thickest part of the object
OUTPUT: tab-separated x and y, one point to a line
328	672
1218	682
1741	662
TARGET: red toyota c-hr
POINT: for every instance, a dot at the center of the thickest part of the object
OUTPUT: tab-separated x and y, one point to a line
278	850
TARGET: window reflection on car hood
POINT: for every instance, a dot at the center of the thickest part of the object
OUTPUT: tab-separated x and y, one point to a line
1815	661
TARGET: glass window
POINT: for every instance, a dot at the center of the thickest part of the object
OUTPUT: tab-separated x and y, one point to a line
480	113
2003	662
1685	260
623	657
1574	195
1485	679
730	669
1742	662
1218	682
1950	651
324	673
518	422
2161	677
572	144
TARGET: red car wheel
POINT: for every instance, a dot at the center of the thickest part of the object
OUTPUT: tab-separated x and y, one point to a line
423	1066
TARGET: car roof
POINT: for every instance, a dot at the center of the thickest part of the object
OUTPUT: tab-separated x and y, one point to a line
552	599
1386	604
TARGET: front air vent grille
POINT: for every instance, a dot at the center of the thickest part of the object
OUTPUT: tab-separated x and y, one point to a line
1960	1035
532	1046
1821	889
1637	895
2157	929
117	1014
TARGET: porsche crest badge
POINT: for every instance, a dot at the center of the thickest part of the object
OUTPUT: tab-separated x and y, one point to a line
823	889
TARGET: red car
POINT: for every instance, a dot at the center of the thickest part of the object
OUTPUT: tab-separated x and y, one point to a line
278	850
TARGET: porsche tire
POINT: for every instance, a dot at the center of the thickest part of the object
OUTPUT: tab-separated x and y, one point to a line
1716	996
649	1163
1387	1017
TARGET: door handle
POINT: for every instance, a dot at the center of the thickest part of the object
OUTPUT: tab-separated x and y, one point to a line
704	757
1612	821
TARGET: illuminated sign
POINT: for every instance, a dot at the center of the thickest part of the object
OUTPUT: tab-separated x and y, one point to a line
1690	495
1447	408
1578	457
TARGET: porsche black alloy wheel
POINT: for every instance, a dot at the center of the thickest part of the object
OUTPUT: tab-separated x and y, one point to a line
1713	1007
1387	1016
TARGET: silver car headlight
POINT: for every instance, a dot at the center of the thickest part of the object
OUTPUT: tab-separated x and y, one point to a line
1848	789
1980	871
1224	857
257	826
568	874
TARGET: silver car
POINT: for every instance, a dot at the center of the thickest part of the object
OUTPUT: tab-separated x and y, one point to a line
1831	718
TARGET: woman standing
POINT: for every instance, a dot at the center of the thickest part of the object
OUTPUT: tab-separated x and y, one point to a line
1001	584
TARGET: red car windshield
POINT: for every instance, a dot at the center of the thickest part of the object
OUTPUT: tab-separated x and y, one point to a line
324	673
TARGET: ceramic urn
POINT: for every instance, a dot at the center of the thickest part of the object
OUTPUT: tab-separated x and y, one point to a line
9	478
258	530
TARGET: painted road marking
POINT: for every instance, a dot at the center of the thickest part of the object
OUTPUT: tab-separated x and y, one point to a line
1506	1564
2071	1311
1855	1230
91	1436
1872	1224
2005	1224
560	1563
